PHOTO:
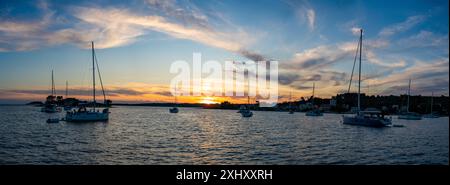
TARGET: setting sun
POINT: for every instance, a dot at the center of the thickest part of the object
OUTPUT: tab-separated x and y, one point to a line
208	100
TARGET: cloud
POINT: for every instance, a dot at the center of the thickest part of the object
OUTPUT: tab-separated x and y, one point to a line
116	27
287	78
113	27
356	31
403	26
425	39
189	15
320	56
252	55
304	13
372	58
311	15
422	73
20	35
130	92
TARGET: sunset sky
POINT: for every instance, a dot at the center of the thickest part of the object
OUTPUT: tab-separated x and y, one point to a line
137	41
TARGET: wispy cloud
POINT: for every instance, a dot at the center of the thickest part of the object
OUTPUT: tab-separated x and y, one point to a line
356	30
425	39
423	74
114	27
304	12
22	35
311	15
403	26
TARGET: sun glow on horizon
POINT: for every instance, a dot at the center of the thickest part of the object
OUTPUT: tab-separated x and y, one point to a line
208	100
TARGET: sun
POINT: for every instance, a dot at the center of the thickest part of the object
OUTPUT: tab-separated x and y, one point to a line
208	100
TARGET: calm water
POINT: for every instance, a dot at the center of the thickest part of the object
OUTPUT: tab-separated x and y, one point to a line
150	135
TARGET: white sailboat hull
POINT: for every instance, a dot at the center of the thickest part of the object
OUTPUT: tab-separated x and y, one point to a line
366	121
87	116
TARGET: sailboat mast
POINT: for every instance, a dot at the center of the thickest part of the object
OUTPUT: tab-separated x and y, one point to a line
359	75
290	96
431	103
53	85
314	84
409	93
93	73
67	88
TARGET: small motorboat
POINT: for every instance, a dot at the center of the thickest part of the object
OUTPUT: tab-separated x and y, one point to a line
246	113
173	110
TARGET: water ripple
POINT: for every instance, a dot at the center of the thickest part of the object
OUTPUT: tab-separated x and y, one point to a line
151	135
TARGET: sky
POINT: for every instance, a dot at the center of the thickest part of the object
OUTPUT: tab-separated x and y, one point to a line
137	41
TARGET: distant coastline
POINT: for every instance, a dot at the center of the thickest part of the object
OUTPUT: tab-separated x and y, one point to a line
341	103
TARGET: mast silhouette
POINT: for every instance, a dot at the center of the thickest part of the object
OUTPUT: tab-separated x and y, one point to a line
314	84
432	94
409	93
67	88
53	86
359	75
93	74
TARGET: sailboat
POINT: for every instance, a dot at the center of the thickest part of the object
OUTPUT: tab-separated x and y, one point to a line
175	108
431	115
291	109
315	111
409	115
84	115
245	110
50	103
67	107
365	118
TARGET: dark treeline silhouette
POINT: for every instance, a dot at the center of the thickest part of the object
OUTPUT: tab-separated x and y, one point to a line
391	104
73	102
341	103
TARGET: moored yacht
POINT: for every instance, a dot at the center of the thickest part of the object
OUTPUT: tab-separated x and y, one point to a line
365	118
245	110
291	108
175	108
315	111
67	107
432	114
84	115
409	115
50	105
